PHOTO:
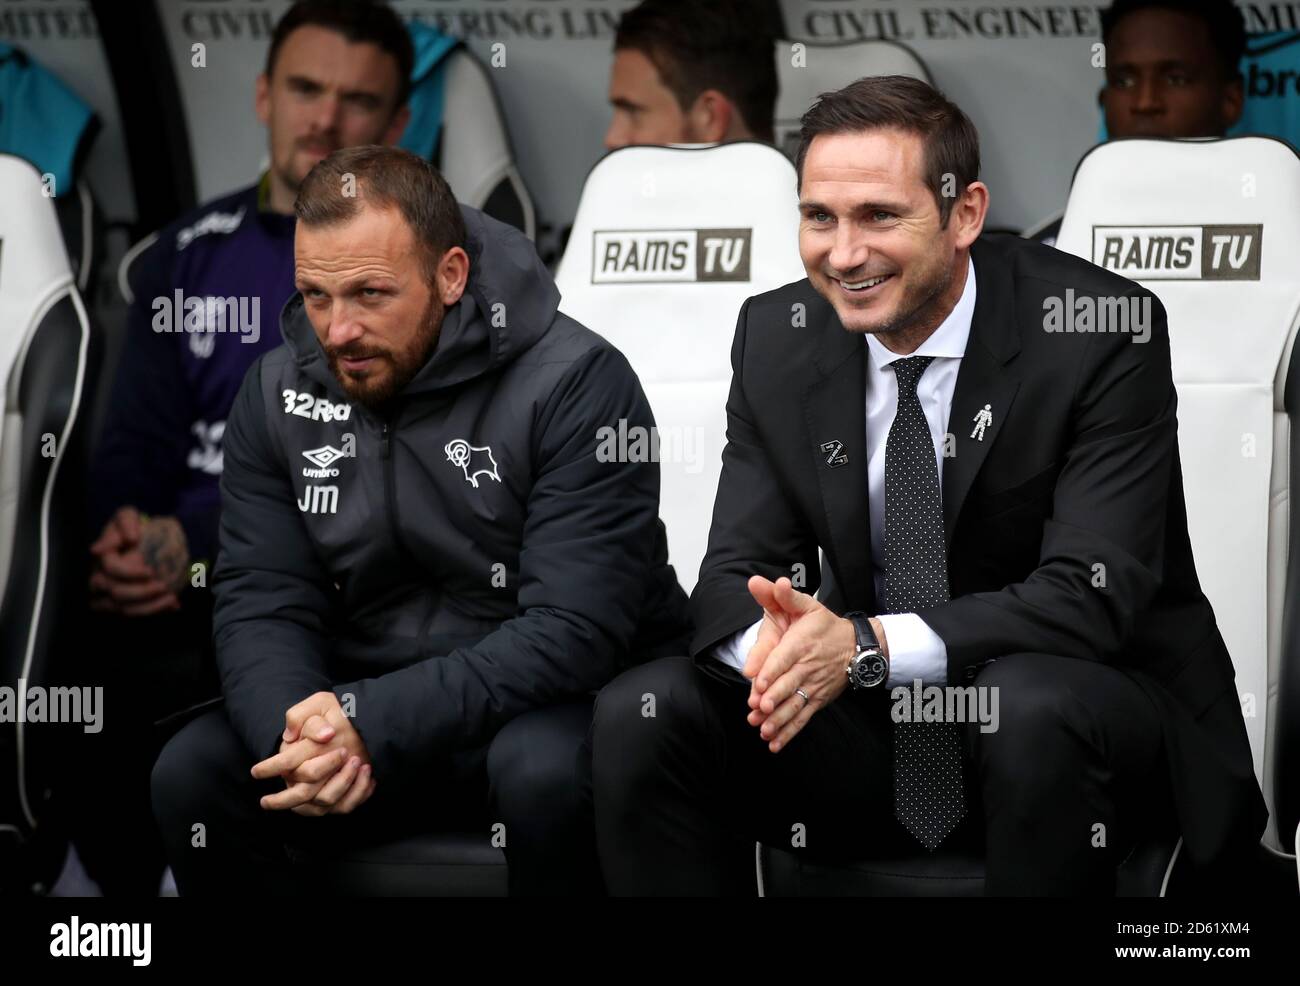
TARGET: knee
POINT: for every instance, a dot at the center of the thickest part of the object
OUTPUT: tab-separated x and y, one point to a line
1036	712
534	761
627	696
191	769
637	717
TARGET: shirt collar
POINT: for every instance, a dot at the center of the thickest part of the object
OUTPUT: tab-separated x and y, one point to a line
274	222
948	340
264	192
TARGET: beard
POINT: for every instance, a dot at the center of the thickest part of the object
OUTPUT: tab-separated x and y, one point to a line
376	385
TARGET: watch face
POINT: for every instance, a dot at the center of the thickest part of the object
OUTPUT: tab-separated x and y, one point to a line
868	670
876	668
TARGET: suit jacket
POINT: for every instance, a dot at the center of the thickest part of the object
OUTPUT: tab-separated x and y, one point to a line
1079	468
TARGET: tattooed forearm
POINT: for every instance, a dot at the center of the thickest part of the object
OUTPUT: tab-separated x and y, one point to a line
162	543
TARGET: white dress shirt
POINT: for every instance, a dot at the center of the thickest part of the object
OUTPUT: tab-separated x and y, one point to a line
915	651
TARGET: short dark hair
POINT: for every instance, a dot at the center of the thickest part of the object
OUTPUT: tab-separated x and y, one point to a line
950	142
1225	23
359	21
384	177
727	45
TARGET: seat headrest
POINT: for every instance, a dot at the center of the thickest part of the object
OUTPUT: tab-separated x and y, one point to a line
34	265
479	154
805	70
1212	227
667	244
667	239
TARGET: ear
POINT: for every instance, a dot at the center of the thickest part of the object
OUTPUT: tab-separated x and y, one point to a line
1234	99
262	98
710	117
968	214
452	276
397	125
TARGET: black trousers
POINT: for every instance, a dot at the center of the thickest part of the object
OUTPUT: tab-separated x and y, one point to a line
527	778
151	668
1056	795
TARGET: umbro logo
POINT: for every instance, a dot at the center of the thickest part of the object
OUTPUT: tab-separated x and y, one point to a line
322	458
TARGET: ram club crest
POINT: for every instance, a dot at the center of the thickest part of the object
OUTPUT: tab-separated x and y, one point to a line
472	460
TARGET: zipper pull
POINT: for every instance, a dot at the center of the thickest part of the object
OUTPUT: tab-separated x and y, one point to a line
384	436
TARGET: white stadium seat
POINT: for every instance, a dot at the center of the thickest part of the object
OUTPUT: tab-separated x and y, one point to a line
806	70
44	338
1213	229
667	244
475	155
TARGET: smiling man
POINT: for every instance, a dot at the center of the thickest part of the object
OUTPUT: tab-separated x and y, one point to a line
965	473
426	571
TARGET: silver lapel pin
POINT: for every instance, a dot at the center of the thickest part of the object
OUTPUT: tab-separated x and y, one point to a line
982	419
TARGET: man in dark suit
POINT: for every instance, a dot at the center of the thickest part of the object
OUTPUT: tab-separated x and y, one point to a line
995	483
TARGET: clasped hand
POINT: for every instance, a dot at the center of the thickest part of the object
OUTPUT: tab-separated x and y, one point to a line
324	763
801	645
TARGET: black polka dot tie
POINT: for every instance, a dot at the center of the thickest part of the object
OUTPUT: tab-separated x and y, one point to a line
928	797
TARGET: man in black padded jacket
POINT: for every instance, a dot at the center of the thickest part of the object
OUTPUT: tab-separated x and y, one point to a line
426	569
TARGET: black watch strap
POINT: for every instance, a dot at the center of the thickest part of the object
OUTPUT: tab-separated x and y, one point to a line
862	627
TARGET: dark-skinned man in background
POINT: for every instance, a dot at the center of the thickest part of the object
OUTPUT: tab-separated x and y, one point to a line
1172	70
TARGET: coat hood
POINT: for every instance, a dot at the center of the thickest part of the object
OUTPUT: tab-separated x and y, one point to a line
509	303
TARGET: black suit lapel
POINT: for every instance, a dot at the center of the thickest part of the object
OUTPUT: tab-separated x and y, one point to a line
982	380
835	412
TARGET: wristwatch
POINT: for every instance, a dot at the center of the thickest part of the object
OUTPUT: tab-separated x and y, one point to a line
868	667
